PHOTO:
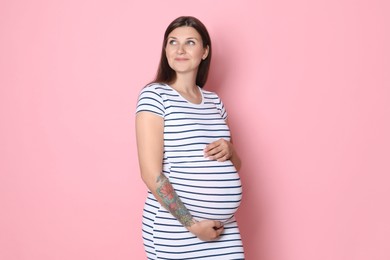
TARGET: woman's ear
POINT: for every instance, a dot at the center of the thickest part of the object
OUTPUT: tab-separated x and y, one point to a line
206	52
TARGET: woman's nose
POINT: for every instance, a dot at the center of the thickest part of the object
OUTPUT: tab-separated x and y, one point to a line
180	49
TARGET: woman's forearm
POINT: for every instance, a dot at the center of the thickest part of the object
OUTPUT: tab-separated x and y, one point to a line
169	199
163	191
235	159
150	144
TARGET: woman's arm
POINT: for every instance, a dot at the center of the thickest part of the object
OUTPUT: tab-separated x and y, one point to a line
236	160
150	143
222	150
149	130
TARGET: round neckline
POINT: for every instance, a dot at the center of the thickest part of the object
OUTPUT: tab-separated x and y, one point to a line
189	102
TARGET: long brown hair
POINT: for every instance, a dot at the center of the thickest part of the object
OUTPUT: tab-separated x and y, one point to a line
165	74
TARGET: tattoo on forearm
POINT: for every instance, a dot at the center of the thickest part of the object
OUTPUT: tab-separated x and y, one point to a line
172	202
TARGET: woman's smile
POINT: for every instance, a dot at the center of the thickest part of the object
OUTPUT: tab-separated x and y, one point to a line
181	59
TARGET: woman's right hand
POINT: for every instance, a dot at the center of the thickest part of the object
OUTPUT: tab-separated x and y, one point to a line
206	230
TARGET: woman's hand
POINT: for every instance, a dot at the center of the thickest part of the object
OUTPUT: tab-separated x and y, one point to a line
206	230
220	150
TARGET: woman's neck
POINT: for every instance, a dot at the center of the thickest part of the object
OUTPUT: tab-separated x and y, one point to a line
185	83
188	89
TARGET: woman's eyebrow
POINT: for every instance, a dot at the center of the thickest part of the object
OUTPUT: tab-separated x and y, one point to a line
189	38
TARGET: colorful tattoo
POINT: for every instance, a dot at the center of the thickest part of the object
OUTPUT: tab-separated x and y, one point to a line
172	202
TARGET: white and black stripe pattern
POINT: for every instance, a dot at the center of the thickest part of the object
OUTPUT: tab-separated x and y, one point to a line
209	189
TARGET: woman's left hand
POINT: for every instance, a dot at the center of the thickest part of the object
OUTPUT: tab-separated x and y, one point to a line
220	150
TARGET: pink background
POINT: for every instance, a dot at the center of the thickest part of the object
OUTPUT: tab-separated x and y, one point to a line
307	87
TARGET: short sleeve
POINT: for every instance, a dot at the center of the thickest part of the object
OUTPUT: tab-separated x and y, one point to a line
150	100
221	109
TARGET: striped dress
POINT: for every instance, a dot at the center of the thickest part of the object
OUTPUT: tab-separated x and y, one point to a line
208	188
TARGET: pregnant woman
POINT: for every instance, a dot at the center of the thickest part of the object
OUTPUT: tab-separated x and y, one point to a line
186	155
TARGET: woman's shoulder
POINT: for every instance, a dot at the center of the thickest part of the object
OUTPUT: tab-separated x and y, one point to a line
151	99
210	94
154	86
158	88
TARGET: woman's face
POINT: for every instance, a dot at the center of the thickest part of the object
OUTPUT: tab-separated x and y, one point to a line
184	50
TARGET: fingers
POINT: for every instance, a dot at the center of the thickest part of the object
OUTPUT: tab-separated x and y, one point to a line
217	224
219	150
208	230
218	227
212	145
219	155
219	231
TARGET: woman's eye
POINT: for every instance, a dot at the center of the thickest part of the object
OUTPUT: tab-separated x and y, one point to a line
191	43
172	42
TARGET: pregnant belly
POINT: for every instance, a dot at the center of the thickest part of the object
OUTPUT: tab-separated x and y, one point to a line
209	189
